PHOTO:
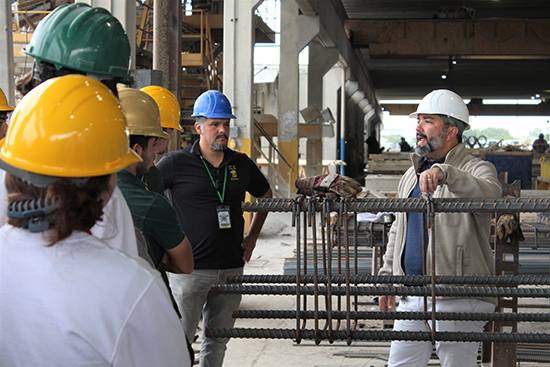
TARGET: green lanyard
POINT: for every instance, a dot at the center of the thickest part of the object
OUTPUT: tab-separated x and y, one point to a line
221	196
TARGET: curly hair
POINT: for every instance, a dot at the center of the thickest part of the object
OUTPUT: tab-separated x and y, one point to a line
79	208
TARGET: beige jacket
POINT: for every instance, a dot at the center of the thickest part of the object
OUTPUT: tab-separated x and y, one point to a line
461	239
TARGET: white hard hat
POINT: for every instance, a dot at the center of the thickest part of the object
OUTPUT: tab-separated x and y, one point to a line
443	102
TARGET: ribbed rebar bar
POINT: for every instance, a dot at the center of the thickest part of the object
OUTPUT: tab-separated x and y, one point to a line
296	223
394	315
471	205
440	291
380	335
533	353
396	279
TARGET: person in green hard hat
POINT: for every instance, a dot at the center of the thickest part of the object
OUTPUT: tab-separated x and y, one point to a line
79	39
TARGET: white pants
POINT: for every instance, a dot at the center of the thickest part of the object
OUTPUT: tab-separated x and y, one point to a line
451	354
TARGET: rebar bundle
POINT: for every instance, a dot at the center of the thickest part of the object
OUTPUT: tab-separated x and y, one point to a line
328	292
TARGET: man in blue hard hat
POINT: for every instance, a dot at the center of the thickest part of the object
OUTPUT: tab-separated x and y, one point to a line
208	182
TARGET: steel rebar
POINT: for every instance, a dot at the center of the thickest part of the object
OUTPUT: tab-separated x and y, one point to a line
395	279
394	315
380	335
441	291
471	205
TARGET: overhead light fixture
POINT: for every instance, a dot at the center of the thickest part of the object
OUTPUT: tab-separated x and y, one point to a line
443	76
327	115
311	114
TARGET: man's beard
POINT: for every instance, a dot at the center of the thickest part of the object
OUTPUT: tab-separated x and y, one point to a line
432	144
219	147
142	169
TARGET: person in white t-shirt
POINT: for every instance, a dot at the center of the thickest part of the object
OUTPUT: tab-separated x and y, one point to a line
67	298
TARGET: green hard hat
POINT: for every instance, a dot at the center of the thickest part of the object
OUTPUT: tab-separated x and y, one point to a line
82	38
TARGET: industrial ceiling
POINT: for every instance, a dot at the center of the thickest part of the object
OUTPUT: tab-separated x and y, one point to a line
487	49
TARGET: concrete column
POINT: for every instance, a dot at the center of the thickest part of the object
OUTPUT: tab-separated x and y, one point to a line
296	32
6	57
321	60
174	60
238	69
125	12
161	39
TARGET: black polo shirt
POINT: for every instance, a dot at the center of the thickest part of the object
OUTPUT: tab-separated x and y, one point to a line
196	200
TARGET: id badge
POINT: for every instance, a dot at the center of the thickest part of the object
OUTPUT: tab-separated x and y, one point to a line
223	217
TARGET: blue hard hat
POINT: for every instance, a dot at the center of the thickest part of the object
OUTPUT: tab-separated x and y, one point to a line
212	104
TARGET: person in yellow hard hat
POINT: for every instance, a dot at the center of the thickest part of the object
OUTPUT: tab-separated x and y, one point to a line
151	212
68	297
5	108
170	116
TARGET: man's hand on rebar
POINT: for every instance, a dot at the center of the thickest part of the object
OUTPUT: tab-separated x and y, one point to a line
508	226
429	180
341	186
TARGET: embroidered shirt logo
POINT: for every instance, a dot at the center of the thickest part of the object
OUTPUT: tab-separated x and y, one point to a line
233	171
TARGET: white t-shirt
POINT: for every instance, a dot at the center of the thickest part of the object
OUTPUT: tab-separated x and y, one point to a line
116	227
81	303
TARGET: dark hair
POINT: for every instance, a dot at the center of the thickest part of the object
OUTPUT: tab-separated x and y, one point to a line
24	84
141	140
78	208
43	71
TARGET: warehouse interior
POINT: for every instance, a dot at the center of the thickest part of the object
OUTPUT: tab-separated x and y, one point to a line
366	59
377	50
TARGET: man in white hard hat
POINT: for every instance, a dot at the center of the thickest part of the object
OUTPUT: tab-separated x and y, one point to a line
442	167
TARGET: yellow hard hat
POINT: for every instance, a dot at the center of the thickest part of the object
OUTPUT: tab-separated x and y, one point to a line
142	113
4	106
170	110
67	127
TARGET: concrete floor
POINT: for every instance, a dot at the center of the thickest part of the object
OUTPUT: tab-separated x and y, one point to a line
276	243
